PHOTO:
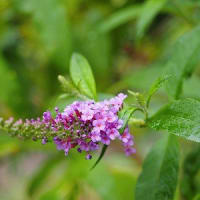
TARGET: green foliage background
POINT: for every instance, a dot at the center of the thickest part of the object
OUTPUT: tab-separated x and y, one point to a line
129	44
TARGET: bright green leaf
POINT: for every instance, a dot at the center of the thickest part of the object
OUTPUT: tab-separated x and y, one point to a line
160	171
180	117
82	76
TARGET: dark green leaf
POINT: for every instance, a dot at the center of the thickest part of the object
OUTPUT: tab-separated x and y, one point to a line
180	117
160	171
103	151
81	75
149	10
185	55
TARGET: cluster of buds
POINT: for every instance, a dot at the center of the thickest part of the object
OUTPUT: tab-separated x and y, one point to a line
83	125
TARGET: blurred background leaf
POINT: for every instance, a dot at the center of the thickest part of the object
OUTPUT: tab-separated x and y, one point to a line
160	171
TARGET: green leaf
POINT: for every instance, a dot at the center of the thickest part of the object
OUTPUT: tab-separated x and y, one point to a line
185	55
38	179
160	171
81	75
155	87
149	10
120	17
103	151
181	117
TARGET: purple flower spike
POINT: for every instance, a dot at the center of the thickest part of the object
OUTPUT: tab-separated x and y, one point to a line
83	125
86	124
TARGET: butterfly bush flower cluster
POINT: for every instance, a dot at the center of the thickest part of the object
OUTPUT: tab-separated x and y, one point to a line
83	125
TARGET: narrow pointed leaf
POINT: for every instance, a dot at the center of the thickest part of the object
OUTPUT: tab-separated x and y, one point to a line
155	87
103	151
82	76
